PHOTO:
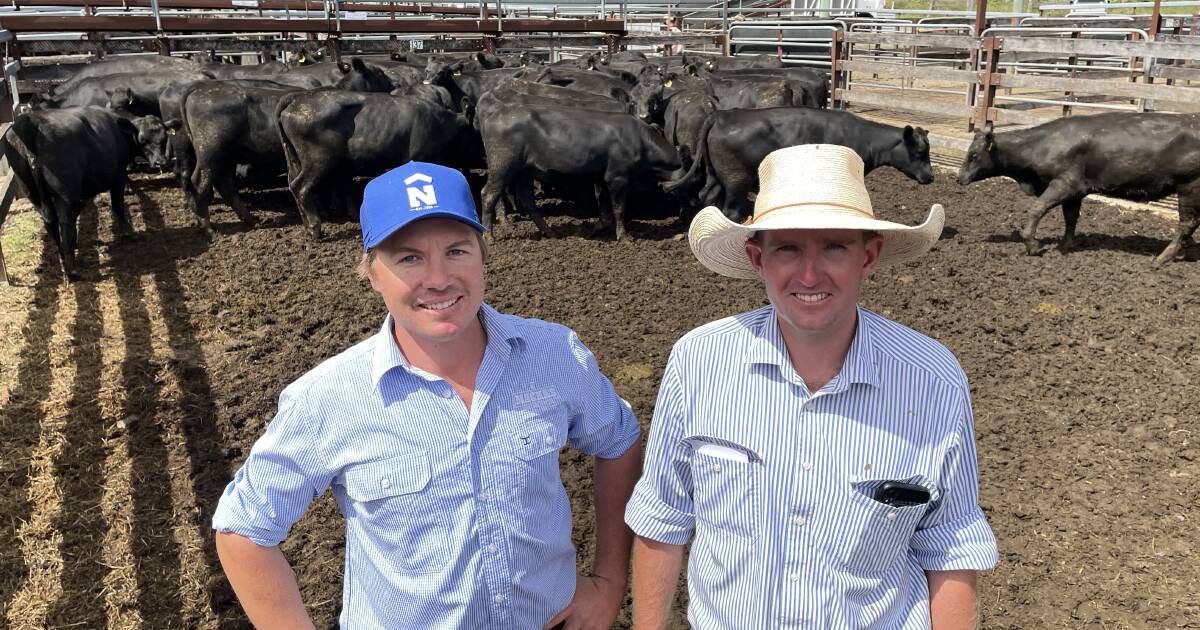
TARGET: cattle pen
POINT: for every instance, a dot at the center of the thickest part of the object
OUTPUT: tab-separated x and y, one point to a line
129	396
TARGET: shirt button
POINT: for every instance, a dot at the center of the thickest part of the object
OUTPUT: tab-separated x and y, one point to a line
483	496
795	577
716	468
807	465
492	548
549	440
891	516
386	483
499	599
799	520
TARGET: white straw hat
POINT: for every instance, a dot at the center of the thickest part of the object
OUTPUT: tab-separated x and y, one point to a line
807	187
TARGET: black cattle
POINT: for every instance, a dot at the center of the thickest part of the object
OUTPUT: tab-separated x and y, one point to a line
560	75
616	150
251	71
732	143
231	124
759	95
810	83
743	61
472	85
330	137
432	94
179	144
58	182
125	65
1141	157
135	92
685	113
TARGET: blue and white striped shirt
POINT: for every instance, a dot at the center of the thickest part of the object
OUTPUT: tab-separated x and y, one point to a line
777	484
455	518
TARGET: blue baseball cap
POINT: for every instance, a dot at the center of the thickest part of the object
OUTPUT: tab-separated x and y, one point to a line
415	191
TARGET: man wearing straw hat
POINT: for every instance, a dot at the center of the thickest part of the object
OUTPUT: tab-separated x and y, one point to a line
819	457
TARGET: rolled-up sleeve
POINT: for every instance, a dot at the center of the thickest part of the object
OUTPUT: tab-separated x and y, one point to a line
285	471
603	424
954	534
661	507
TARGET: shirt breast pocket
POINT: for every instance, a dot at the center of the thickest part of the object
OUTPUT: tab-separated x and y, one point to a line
393	501
872	535
725	491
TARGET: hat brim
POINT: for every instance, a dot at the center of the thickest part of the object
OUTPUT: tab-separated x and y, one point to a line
720	244
381	234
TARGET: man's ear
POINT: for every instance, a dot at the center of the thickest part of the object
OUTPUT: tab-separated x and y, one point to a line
754	253
874	247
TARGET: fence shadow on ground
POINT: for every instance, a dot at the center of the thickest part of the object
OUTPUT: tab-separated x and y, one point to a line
19	431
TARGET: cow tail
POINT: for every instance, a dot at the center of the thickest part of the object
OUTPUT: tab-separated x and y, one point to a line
29	169
699	161
289	150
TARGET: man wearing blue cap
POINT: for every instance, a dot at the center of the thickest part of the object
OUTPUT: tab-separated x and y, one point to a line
439	437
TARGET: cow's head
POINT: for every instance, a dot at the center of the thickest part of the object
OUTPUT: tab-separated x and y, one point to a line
151	137
647	97
710	65
588	61
437	73
120	99
980	160
365	77
911	155
399	56
488	61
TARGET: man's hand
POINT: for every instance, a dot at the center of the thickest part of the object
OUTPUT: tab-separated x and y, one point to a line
595	605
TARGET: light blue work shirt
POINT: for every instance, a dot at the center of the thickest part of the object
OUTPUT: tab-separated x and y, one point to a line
454	518
776	486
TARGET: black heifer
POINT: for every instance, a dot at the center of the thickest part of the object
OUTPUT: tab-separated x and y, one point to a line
330	137
119	65
615	149
1141	157
58	181
732	143
134	92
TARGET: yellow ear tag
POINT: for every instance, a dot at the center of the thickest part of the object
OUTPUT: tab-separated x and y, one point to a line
458	73
170	132
668	83
591	67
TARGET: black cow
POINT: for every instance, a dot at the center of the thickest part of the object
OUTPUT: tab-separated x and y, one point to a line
685	113
732	143
230	124
330	137
811	84
523	140
251	71
58	181
472	85
135	92
1141	157
124	65
744	61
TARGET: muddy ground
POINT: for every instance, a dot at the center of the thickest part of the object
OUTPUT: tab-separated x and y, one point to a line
129	398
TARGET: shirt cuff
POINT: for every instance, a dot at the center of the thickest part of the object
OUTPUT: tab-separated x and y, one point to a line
650	518
966	543
236	516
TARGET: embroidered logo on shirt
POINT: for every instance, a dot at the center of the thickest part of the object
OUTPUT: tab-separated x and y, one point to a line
532	397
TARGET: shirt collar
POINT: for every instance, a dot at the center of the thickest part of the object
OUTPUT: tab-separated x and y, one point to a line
387	355
861	364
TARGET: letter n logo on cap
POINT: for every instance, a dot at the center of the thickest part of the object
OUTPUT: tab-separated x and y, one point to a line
421	198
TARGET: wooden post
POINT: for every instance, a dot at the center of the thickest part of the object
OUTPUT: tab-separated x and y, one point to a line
980	24
980	16
989	47
835	68
1069	96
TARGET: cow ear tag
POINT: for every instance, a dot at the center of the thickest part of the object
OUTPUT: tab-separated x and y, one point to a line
458	73
170	132
668	83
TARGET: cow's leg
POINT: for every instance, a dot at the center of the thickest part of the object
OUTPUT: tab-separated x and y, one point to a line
304	188
496	186
227	186
524	189
202	187
618	193
737	197
67	214
604	205
1057	192
1189	221
120	213
1070	210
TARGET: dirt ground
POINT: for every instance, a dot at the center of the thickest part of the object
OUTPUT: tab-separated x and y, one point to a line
128	399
